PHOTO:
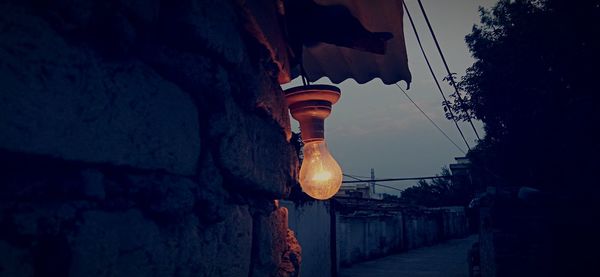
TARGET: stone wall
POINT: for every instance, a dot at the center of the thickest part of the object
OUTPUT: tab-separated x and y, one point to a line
141	138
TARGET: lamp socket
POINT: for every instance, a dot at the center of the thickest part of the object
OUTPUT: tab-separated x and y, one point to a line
310	105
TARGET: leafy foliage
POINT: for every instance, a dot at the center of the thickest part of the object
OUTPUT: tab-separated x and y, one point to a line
298	144
440	192
534	85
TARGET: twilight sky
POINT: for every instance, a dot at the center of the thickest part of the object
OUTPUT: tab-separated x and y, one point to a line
375	126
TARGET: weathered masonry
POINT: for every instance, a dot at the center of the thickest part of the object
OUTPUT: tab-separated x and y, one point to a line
141	138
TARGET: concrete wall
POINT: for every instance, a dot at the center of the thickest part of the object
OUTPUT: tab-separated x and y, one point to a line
141	138
365	235
369	236
311	225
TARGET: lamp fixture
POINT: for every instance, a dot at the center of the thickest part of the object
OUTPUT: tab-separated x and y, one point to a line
320	174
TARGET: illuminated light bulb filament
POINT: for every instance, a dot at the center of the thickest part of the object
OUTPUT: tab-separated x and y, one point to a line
320	174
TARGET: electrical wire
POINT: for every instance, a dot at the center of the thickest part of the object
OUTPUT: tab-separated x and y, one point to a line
412	23
355	176
397	179
431	120
351	176
361	181
458	96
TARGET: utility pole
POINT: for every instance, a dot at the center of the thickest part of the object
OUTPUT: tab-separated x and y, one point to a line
372	183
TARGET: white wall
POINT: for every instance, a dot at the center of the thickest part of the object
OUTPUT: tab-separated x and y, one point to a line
311	223
368	234
365	237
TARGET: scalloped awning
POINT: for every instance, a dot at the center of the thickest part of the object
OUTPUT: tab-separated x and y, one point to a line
340	63
329	34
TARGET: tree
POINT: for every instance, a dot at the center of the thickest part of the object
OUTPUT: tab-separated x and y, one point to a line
445	191
534	86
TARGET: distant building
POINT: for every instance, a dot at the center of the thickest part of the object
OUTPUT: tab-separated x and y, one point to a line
359	190
355	190
461	170
461	167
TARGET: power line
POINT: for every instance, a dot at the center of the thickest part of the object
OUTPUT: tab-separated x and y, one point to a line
461	101
458	96
431	120
392	188
412	23
350	176
355	176
397	179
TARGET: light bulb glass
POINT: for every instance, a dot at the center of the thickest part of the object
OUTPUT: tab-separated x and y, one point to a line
320	174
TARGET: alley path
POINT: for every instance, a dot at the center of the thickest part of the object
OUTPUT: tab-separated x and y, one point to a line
444	260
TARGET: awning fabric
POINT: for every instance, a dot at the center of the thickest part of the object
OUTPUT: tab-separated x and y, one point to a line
340	63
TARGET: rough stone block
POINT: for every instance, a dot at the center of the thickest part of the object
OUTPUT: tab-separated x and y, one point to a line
262	21
211	197
270	99
245	115
46	219
93	184
291	259
14	262
250	145
141	12
238	136
108	243
165	197
271	255
207	24
225	248
247	129
65	101
128	244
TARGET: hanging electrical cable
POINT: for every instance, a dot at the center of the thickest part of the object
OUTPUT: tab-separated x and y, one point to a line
398	179
355	176
431	120
360	181
458	96
412	23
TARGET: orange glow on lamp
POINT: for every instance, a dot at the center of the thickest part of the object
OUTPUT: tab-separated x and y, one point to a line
320	174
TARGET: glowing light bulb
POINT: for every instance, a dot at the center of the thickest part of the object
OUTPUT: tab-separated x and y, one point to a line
320	174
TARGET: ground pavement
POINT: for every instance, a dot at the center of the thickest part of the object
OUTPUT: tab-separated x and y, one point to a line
444	260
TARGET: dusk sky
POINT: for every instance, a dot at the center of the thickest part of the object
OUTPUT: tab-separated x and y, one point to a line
375	126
